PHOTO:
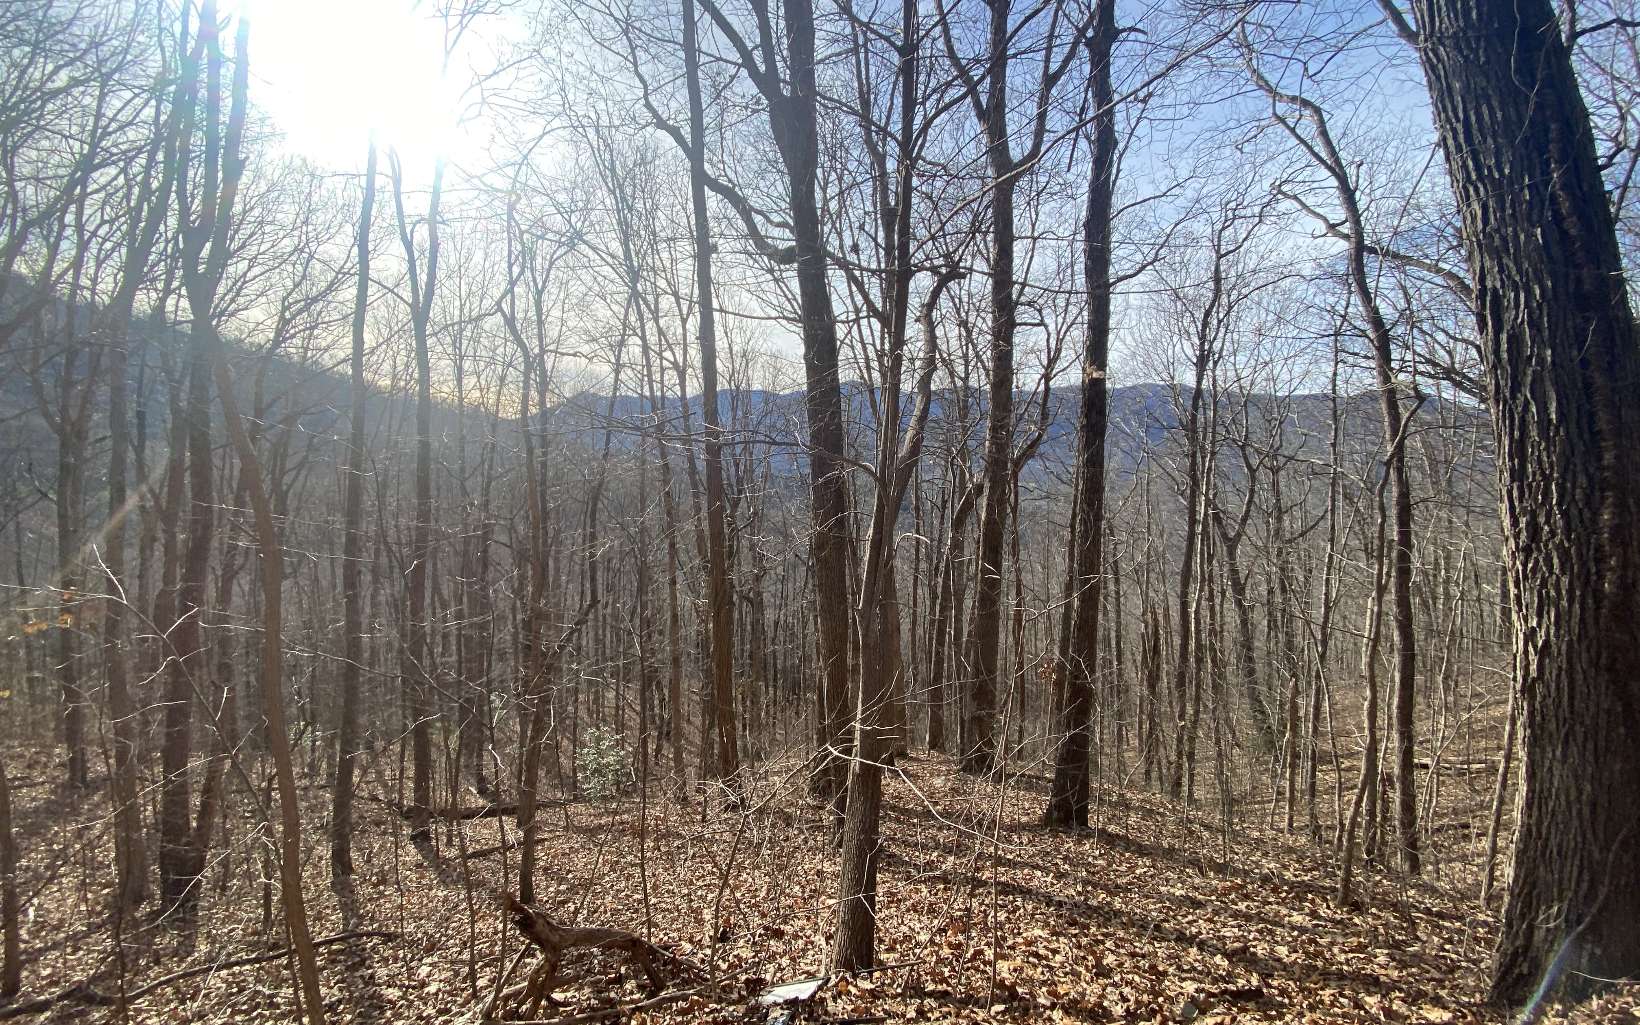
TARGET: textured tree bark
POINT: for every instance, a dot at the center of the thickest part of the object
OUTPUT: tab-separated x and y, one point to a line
1500	791
1563	369
1068	799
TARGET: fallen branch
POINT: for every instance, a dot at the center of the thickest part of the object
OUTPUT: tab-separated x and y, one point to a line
83	993
615	1012
490	810
554	941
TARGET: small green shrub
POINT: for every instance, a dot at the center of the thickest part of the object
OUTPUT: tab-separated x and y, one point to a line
602	764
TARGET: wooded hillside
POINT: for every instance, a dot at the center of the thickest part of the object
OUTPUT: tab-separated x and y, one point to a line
954	511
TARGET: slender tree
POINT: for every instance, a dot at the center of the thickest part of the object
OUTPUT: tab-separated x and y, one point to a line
1068	800
347	729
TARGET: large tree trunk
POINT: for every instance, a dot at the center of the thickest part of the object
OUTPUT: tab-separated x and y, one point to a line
1563	368
1068	800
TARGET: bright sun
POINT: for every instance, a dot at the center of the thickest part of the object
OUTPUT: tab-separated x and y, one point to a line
329	72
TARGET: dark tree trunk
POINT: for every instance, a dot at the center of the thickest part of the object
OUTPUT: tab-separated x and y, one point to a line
347	730
189	667
415	663
720	597
877	618
1563	368
1068	800
985	638
823	392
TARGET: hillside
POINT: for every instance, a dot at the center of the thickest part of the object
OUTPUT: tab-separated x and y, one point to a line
1158	915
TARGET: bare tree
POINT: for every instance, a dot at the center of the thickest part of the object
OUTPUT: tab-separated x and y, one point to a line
1068	800
1317	143
347	730
987	89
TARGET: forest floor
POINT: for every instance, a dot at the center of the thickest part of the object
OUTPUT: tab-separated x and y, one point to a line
985	916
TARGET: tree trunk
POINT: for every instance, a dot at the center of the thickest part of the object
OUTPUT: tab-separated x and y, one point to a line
944	635
272	686
11	947
347	730
1068	799
720	597
876	618
130	855
70	485
985	636
188	667
1494	827
1563	369
415	660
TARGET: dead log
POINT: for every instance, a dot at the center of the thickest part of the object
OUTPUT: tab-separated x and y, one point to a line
554	941
454	814
1460	767
619	1011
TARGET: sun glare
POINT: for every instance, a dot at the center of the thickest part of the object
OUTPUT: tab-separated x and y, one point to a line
330	72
